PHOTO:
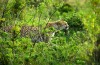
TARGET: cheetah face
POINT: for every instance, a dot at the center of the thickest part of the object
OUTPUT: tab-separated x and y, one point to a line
62	25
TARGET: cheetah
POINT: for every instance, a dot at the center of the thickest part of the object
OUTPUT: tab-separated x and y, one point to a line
39	36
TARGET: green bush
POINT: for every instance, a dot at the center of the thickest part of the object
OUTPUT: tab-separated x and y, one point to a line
65	8
75	48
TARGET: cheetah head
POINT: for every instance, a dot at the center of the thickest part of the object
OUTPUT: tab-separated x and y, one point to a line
58	25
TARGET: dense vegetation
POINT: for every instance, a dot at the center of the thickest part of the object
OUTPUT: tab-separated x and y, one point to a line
80	46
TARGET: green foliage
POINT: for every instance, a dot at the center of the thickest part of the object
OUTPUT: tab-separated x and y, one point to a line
75	23
2	20
75	48
65	8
